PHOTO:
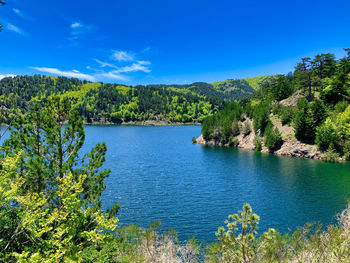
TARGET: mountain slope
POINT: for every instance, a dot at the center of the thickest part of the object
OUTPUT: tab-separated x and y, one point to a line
115	103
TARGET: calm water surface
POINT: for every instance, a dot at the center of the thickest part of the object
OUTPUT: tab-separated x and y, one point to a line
158	174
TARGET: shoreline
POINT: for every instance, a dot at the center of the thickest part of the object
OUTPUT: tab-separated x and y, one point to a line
290	146
145	123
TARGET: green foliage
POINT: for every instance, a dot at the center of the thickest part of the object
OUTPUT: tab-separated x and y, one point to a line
277	88
194	140
257	143
346	150
234	89
326	134
237	243
233	142
273	138
246	130
343	124
341	106
34	230
256	82
261	116
286	115
107	103
308	117
331	154
52	207
221	126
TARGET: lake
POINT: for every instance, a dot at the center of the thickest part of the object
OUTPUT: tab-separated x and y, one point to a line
158	174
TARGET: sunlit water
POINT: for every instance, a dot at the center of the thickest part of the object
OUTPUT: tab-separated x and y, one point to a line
158	174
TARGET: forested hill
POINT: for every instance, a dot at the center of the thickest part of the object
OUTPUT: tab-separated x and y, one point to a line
113	103
304	113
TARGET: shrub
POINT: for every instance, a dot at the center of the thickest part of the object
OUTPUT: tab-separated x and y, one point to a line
235	128
326	134
341	106
277	108
261	117
233	142
331	154
194	140
343	123
273	138
346	150
241	246
257	143
246	129
286	115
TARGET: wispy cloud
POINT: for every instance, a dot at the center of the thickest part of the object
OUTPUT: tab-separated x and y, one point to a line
120	55
105	64
72	73
15	29
7	75
18	12
138	66
113	75
76	25
78	29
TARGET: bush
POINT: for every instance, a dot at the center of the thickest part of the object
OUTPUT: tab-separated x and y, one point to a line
326	134
194	140
257	143
273	138
346	150
233	142
246	129
277	108
341	106
261	117
235	129
331	154
343	123
286	115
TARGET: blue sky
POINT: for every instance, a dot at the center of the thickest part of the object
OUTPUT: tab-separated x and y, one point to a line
142	42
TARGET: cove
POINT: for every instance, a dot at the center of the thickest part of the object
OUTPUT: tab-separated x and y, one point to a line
158	174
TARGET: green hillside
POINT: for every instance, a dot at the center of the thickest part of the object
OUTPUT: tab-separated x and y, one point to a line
312	104
255	82
114	103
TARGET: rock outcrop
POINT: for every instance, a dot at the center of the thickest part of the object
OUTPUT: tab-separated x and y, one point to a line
290	147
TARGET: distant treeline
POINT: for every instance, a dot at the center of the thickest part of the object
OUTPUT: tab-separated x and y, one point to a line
98	102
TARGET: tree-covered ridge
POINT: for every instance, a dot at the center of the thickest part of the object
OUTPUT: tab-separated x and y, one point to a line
313	101
98	102
113	103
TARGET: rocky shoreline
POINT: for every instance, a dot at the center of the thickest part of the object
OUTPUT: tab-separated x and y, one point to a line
290	147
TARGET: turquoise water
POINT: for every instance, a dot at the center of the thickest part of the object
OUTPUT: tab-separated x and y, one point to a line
158	174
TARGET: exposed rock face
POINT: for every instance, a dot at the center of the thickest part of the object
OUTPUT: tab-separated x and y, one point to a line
292	100
290	147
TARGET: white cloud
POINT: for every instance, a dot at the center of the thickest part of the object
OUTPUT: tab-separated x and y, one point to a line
105	64
72	74
7	75
138	66
16	11
120	55
76	25
78	29
20	14
15	29
113	75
